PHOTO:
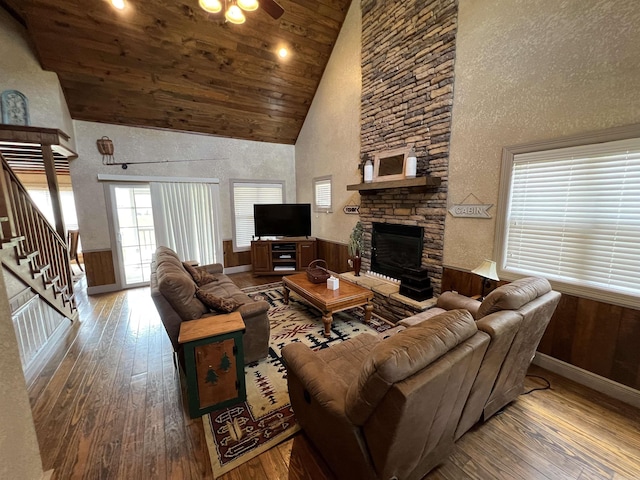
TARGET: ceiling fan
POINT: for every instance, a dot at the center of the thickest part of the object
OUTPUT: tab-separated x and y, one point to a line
234	8
273	8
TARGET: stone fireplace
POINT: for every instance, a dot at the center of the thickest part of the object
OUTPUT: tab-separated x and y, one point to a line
408	52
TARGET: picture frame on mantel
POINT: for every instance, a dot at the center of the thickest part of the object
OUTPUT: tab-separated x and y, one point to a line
390	164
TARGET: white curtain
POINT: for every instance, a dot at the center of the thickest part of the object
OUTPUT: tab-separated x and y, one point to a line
185	217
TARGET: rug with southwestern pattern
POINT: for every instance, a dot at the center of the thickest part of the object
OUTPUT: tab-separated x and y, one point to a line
239	433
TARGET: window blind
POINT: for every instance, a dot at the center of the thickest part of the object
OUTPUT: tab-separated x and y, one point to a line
245	195
574	216
322	194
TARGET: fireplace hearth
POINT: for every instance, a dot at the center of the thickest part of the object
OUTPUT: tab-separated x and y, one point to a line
396	249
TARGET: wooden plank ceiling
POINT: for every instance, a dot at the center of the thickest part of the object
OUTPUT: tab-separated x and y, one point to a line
169	64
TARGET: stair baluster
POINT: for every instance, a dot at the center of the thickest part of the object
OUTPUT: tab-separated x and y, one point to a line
42	249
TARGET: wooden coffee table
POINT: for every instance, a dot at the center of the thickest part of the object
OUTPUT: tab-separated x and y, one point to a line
349	295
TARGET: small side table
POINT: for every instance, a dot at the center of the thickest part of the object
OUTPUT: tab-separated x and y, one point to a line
214	362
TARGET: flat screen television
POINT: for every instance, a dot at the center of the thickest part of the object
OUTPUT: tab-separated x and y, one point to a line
282	219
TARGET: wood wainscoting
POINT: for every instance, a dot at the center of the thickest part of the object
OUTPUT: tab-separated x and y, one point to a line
99	267
595	336
335	254
465	283
234	259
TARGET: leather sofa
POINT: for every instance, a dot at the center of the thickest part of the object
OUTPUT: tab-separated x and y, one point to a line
173	293
515	315
392	405
387	407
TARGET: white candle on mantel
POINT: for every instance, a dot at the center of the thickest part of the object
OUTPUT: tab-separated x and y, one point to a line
368	172
411	165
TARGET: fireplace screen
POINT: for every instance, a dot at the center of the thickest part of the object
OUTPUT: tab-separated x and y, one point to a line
396	249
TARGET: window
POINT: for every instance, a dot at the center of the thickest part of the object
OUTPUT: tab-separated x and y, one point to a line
244	194
322	194
181	213
42	199
572	215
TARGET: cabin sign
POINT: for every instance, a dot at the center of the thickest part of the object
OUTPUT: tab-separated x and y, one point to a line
468	210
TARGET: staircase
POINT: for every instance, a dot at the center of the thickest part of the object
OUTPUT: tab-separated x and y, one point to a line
31	248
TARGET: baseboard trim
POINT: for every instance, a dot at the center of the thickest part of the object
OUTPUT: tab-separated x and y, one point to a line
601	384
102	289
238	269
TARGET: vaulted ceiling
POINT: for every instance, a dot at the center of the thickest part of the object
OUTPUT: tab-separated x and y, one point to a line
169	64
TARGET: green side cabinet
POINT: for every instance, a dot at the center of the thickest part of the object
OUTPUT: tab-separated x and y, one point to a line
214	362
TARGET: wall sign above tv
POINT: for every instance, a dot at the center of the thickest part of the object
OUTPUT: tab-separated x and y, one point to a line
282	219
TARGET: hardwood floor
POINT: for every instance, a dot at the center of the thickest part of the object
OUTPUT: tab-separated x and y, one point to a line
110	406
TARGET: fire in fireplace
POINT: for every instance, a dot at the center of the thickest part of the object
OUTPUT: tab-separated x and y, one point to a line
396	249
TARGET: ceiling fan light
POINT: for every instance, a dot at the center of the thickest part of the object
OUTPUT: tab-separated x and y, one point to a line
234	15
248	5
119	4
211	6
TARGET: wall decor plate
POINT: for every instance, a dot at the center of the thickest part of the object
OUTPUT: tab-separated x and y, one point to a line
15	108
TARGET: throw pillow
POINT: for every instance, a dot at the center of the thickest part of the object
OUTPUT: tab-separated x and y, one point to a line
199	274
219	304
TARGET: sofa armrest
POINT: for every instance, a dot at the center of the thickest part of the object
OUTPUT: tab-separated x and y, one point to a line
210	326
505	324
455	301
213	268
317	378
253	309
391	332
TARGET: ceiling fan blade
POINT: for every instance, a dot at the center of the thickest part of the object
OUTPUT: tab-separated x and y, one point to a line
272	8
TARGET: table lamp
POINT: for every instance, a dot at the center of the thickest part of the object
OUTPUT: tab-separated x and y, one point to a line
487	270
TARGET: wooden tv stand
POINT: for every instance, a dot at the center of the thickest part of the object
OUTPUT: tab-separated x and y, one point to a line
282	257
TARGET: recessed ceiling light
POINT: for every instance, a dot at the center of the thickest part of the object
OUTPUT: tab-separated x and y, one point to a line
119	4
283	52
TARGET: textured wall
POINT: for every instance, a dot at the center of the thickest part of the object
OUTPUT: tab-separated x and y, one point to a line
221	158
20	70
329	142
532	70
19	451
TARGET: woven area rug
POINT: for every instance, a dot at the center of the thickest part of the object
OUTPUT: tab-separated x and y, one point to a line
239	433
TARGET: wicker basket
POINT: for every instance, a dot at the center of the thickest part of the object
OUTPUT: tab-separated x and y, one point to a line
317	271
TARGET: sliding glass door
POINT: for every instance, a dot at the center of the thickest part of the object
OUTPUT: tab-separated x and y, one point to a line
135	238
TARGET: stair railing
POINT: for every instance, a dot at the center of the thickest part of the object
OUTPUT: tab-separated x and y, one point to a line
24	219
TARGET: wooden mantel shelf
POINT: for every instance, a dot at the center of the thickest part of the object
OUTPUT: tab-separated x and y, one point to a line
418	182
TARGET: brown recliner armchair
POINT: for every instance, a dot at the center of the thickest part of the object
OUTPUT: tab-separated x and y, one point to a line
515	315
382	408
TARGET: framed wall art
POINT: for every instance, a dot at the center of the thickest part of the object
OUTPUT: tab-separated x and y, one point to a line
390	164
15	109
